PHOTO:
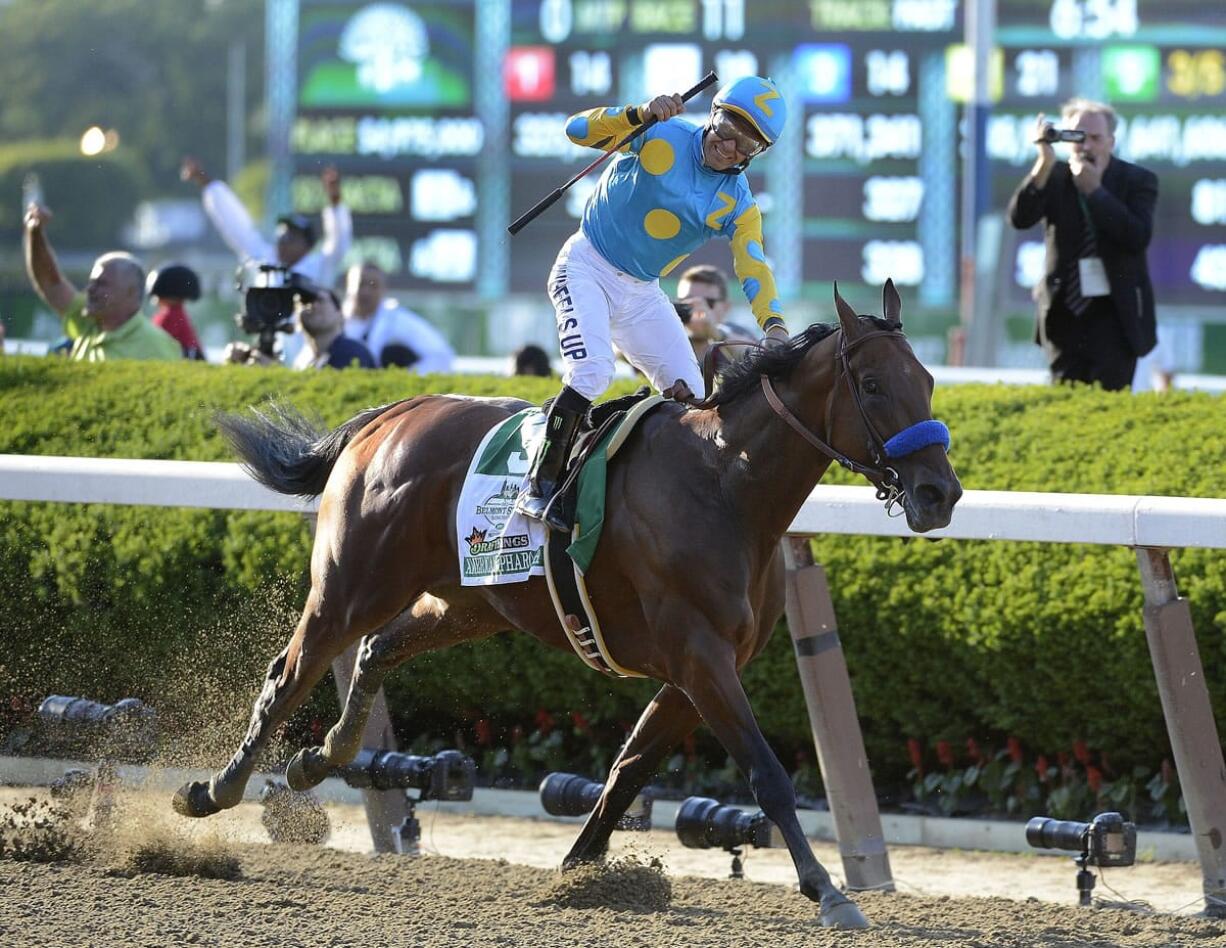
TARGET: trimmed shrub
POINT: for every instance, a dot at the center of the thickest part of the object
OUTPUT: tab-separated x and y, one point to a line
92	198
945	640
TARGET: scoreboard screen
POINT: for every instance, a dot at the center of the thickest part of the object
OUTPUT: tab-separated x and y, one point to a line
864	184
1162	65
385	93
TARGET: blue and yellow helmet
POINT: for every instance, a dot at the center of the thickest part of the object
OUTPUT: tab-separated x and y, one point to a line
758	101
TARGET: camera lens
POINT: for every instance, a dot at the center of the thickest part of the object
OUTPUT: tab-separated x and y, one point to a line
569	794
703	823
1044	833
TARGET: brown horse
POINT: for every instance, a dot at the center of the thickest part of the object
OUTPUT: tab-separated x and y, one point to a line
687	579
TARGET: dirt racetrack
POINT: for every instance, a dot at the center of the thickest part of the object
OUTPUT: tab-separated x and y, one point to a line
280	896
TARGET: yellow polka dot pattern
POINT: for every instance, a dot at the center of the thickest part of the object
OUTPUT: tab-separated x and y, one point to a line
657	156
662	224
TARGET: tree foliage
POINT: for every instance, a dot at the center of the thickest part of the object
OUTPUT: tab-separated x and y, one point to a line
155	72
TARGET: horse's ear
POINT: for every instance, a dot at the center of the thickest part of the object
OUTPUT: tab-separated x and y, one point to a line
847	316
891	303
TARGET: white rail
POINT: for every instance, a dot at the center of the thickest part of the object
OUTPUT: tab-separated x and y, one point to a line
1109	519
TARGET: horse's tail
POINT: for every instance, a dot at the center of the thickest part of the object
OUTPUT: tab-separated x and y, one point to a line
287	452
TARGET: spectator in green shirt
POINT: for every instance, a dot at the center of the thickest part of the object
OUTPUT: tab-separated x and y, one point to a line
104	322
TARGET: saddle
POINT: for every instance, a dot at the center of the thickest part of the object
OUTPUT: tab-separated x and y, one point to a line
582	494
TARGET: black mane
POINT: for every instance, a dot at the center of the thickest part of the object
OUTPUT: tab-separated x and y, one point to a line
778	362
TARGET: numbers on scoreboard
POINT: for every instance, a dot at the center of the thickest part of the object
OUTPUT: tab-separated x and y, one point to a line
888	72
893	200
590	73
557	19
1195	73
1093	19
1038	72
899	260
723	19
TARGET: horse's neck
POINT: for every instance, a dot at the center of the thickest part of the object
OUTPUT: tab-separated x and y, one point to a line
771	470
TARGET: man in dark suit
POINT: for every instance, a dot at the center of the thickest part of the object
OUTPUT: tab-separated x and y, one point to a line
1095	306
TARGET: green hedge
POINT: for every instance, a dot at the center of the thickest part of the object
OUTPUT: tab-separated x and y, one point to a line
945	640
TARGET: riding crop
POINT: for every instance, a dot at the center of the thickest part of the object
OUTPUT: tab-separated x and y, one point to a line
524	219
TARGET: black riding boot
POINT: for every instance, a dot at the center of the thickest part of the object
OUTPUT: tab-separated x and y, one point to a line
561	425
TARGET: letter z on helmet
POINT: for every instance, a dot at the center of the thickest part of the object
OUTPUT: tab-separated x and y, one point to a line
758	101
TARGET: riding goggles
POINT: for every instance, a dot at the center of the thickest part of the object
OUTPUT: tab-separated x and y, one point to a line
728	128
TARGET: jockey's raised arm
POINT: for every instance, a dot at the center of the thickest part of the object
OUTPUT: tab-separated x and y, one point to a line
669	190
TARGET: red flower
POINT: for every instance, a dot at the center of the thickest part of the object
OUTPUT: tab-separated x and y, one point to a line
1015	749
544	722
484	732
972	750
1094	778
945	753
580	722
1040	768
917	755
1082	753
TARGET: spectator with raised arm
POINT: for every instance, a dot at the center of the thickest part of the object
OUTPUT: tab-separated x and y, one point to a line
104	322
394	334
295	244
295	247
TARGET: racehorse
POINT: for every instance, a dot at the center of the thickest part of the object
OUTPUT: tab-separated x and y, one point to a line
687	578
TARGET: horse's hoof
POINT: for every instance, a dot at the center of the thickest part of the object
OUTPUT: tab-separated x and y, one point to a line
305	770
193	799
844	914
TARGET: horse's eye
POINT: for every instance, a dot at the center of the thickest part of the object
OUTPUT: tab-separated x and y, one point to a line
870	387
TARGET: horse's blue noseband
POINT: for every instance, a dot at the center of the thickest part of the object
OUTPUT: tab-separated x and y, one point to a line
919	435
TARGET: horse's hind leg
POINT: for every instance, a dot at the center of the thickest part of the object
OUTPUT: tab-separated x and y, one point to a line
664	723
430	623
715	688
317	640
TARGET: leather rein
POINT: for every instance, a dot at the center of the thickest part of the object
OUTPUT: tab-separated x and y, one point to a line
882	476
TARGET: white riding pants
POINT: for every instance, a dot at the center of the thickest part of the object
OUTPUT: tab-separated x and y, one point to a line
598	306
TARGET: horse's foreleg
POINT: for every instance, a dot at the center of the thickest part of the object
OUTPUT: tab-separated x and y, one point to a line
428	624
716	691
289	680
664	723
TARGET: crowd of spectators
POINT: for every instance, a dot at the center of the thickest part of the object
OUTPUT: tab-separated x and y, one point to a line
1094	307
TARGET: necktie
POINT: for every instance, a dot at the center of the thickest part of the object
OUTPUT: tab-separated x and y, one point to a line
1088	247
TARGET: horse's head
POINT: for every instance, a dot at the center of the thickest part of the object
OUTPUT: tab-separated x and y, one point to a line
880	414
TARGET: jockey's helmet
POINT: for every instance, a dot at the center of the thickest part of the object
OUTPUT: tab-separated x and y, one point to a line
757	101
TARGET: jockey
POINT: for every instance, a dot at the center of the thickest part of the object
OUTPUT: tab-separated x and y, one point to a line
672	189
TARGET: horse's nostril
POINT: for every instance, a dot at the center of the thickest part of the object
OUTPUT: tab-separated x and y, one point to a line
928	495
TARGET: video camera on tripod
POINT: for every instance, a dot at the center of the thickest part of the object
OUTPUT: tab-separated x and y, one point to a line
269	294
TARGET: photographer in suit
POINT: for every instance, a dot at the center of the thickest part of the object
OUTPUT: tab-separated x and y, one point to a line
1095	306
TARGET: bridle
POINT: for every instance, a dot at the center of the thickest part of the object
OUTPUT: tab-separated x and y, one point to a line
879	473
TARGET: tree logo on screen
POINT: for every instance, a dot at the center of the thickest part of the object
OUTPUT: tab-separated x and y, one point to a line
385	57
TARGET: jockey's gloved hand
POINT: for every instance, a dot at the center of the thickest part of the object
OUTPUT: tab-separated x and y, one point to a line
662	108
776	338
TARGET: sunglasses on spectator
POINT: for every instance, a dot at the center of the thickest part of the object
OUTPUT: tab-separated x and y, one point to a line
728	128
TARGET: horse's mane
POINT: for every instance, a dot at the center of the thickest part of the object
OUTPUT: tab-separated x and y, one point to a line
778	362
